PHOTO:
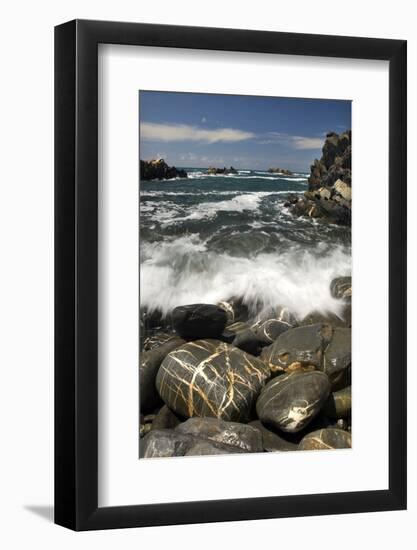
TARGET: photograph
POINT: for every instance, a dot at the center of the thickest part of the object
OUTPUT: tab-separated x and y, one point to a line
245	274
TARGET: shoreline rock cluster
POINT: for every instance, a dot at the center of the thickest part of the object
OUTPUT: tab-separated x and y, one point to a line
211	171
283	171
214	381
158	169
329	195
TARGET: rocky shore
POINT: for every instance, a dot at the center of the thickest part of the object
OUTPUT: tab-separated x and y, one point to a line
211	171
214	381
159	170
283	171
329	195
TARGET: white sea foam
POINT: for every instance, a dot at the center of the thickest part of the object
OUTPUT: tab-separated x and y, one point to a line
183	272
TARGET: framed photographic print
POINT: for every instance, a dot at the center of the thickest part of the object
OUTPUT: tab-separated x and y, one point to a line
230	275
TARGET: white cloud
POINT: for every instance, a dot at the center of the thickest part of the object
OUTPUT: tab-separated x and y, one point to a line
296	142
204	119
300	142
150	131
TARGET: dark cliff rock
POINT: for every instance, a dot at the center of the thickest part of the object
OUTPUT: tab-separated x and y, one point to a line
159	170
329	195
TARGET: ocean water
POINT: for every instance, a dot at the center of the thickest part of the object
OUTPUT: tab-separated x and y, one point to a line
205	239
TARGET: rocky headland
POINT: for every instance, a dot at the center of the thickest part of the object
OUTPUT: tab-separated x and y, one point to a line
329	195
213	380
159	170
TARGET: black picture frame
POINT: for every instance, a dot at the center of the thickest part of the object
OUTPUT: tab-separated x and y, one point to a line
76	272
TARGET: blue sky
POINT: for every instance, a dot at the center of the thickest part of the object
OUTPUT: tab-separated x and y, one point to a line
201	130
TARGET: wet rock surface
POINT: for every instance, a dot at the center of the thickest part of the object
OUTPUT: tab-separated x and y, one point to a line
303	345
165	419
245	436
341	288
199	321
170	443
273	441
339	403
337	358
211	378
329	438
149	363
290	401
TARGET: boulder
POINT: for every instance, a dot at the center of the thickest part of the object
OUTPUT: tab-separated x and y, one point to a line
268	331
149	363
341	288
328	438
167	443
337	358
344	190
165	419
275	441
339	404
211	378
246	437
327	317
248	341
196	321
290	401
298	345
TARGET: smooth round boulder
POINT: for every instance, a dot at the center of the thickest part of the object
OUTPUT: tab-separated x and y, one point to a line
314	317
149	363
298	345
246	437
290	401
339	404
211	378
273	441
247	340
197	321
328	438
269	330
338	358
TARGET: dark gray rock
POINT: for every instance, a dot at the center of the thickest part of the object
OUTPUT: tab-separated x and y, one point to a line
273	441
149	363
329	438
164	443
290	401
244	436
339	403
268	331
329	318
211	378
302	345
337	358
165	419
248	341
168	443
341	288
159	169
199	321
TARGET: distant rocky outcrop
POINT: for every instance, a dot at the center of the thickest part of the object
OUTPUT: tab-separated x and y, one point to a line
220	171
329	195
159	170
283	171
